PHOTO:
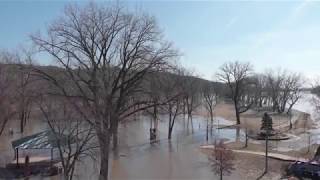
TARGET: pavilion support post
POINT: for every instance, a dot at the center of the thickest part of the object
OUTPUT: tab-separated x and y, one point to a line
17	156
51	156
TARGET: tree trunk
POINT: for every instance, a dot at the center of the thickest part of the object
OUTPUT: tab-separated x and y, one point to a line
155	123
170	133
190	115
115	138
170	122
274	105
290	107
104	141
238	117
184	110
260	102
237	112
207	133
22	119
71	173
170	129
290	126
246	143
211	117
115	134
3	125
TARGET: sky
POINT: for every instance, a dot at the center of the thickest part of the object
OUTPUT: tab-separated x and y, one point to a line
268	34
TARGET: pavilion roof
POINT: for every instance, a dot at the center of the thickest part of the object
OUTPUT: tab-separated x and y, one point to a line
42	140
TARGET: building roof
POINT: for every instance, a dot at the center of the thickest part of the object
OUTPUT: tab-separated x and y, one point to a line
43	140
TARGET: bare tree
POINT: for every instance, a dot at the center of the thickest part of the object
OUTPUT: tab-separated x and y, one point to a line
7	102
105	53
259	90
210	99
154	86
295	85
73	136
221	160
25	94
274	81
8	105
284	88
234	74
172	94
16	64
191	93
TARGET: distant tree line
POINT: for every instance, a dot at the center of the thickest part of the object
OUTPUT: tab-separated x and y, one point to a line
275	90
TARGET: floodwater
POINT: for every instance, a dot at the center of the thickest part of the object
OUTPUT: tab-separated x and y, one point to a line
179	158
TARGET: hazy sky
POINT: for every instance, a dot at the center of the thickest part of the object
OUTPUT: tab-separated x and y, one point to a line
208	33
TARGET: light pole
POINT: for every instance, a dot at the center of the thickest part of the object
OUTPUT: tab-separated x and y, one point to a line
267	127
267	138
207	130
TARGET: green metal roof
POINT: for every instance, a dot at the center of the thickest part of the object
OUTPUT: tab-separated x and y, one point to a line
43	140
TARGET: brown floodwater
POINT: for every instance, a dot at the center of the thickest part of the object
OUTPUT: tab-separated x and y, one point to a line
136	158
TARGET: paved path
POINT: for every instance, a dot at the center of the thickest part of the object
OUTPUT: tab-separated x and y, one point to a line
270	155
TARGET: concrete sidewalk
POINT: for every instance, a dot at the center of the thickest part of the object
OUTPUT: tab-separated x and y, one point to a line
277	156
